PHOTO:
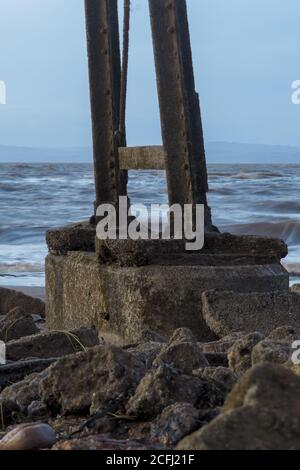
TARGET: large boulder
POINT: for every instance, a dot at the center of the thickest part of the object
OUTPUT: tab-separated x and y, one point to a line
16	324
261	413
52	344
10	299
102	376
165	386
227	312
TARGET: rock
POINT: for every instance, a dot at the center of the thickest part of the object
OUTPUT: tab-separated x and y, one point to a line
183	335
165	386
222	345
185	356
174	423
91	380
106	424
8	410
37	409
287	333
10	299
181	352
149	335
240	354
277	347
223	375
23	393
29	436
17	371
51	344
101	442
261	413
17	324
146	352
227	312
268	350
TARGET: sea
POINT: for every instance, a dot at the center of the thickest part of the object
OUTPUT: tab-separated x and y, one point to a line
245	199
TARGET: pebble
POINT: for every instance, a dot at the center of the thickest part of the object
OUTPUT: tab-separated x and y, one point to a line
30	436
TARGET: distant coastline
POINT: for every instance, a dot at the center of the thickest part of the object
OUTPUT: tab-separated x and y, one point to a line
217	152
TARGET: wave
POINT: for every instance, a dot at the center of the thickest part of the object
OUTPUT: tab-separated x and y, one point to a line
259	175
289	231
244	175
287	206
8	268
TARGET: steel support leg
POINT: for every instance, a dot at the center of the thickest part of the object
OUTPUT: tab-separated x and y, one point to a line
179	104
104	73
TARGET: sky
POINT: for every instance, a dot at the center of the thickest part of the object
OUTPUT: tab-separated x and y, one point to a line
246	56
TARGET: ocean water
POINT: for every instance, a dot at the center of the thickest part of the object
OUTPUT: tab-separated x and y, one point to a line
245	199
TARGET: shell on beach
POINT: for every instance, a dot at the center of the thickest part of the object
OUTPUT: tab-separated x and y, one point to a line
30	436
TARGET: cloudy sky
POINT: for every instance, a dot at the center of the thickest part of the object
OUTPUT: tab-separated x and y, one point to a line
246	55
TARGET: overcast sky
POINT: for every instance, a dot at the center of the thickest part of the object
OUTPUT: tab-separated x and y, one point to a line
246	55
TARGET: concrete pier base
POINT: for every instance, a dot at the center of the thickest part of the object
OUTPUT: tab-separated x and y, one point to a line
124	301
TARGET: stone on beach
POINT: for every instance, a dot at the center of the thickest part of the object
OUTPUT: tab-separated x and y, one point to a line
174	423
30	436
223	375
275	351
51	344
183	356
254	348
146	352
222	345
23	393
182	352
10	299
240	353
227	312
16	324
149	335
261	413
165	386
102	376
15	372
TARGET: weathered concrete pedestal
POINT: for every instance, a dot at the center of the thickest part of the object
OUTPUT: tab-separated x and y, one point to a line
124	287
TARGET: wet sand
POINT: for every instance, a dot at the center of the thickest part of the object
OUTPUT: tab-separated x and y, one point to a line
38	292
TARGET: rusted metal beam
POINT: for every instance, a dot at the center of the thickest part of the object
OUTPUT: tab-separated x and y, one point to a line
179	104
198	161
142	158
104	73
